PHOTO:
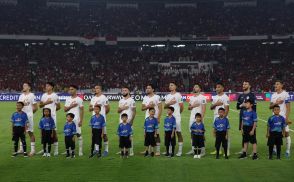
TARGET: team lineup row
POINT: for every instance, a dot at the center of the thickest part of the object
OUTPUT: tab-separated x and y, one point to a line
23	122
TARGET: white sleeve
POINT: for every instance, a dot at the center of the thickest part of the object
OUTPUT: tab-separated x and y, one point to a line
34	100
203	100
56	99
144	100
158	99
180	100
92	101
43	98
133	104
227	101
106	102
191	100
67	103
80	102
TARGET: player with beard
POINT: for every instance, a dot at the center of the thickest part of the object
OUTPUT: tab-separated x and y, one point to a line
246	95
74	105
127	105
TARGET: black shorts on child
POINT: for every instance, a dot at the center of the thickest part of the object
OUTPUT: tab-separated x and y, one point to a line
124	142
198	141
168	140
275	138
150	139
246	135
47	136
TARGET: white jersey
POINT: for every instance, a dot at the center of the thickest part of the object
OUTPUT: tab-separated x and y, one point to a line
199	99
102	101
53	97
29	100
156	101
178	98
222	98
131	104
75	110
285	97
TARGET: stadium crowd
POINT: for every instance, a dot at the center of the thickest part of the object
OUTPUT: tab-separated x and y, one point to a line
135	67
147	21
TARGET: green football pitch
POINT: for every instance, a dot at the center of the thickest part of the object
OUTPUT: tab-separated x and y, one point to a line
138	168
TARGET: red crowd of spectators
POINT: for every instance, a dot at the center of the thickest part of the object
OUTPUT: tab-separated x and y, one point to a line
117	66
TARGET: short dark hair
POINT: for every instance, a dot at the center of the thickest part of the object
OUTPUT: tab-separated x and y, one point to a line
152	108
125	86
198	85
124	115
198	115
250	101
21	103
220	83
276	106
98	106
70	115
51	84
171	108
280	81
98	85
151	85
221	109
28	83
173	82
74	86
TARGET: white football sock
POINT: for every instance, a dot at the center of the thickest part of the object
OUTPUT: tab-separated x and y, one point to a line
106	146
96	147
158	147
33	147
180	147
55	144
288	144
20	146
80	140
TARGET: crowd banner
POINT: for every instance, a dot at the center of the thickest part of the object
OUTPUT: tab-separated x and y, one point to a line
139	97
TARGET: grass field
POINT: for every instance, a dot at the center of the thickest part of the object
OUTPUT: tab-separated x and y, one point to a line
138	168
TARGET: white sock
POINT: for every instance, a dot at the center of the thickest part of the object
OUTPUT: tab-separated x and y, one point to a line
55	147
96	147
288	144
33	147
80	139
20	146
193	148
203	150
275	148
158	147
170	149
180	147
106	146
229	146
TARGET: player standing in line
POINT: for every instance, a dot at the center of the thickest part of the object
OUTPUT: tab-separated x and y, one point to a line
197	104
221	100
74	105
30	107
151	100
101	100
282	99
174	99
127	105
246	95
51	101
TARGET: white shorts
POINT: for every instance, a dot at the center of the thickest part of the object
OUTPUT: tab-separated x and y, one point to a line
55	121
178	123
79	129
287	129
31	123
